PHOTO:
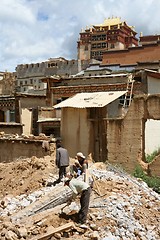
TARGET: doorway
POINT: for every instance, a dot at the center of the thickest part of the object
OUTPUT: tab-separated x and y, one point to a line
99	134
152	136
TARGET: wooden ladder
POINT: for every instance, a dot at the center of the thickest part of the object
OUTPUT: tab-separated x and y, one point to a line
129	90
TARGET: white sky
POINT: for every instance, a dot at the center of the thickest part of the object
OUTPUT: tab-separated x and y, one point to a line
36	30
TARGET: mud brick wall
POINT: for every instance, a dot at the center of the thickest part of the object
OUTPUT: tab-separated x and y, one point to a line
13	149
154	167
126	136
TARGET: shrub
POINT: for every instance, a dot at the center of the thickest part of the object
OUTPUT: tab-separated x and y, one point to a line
152	182
150	157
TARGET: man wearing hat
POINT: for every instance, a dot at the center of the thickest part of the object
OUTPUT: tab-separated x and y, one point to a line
80	165
79	187
83	163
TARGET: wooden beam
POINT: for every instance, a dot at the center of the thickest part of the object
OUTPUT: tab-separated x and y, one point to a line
86	176
96	184
53	230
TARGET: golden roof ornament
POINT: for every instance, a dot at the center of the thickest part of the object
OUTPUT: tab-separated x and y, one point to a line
110	22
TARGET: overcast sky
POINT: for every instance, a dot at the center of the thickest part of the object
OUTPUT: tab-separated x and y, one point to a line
35	30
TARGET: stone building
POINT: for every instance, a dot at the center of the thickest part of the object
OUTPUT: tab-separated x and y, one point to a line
10	115
59	89
9	107
29	75
7	83
113	33
28	106
62	88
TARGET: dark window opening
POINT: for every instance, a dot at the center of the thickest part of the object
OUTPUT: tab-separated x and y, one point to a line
12	116
112	45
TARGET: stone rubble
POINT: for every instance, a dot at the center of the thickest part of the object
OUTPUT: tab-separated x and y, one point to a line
129	210
41	136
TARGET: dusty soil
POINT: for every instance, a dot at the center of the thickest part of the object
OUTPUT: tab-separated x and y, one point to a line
25	176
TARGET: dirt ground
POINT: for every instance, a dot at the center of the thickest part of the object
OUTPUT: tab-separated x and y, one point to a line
25	176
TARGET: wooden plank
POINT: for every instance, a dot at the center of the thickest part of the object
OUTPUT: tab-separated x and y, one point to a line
96	184
86	176
53	230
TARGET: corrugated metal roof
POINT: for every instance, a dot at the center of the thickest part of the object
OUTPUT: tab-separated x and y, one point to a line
107	75
48	120
88	100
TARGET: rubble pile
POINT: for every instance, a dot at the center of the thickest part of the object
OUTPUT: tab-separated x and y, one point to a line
25	175
41	136
121	207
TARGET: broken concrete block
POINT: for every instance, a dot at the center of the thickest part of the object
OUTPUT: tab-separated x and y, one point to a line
21	232
94	235
94	227
11	235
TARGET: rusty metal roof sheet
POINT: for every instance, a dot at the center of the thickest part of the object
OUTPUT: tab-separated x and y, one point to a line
89	100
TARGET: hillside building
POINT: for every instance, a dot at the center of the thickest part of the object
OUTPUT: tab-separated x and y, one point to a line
7	83
113	33
29	75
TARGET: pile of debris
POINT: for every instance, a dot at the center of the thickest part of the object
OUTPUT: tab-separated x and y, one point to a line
121	207
41	136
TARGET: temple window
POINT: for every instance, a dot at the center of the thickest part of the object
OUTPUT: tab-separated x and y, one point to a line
12	116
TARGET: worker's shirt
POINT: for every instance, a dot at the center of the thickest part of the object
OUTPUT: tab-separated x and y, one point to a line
62	157
77	186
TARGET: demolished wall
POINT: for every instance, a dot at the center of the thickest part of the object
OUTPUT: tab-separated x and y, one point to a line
126	137
11	128
154	167
17	147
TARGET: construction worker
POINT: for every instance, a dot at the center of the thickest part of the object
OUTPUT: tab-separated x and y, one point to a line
62	161
76	169
80	187
81	163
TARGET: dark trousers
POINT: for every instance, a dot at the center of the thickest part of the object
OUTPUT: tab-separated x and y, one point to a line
62	173
84	201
